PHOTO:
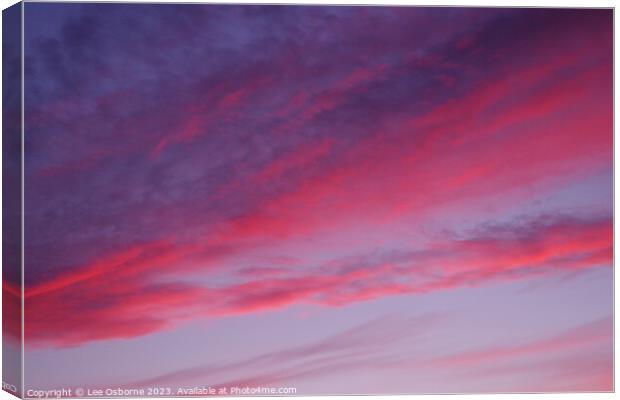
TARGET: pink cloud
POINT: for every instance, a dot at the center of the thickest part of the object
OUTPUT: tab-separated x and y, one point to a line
486	145
508	135
122	296
595	332
574	359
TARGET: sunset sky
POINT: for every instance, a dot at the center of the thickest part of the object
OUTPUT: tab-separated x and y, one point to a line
344	200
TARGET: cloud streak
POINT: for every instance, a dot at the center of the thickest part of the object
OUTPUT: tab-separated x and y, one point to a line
125	296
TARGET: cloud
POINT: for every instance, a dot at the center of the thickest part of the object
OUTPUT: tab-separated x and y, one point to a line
246	136
125	295
355	347
594	332
564	361
577	358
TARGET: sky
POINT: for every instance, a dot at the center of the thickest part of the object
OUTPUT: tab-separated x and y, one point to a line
342	200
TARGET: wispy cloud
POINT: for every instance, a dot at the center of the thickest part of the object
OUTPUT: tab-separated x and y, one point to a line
353	348
125	296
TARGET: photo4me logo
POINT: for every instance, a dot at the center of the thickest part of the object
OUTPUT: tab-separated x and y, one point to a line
9	387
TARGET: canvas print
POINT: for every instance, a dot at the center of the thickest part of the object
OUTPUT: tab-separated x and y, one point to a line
287	200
